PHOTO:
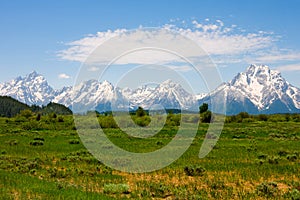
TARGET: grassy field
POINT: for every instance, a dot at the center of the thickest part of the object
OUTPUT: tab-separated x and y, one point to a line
252	160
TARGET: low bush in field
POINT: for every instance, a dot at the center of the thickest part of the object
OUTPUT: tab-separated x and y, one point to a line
23	165
159	190
56	173
142	121
36	143
116	188
273	160
262	156
12	142
74	141
39	138
293	195
2	152
267	189
292	157
81	155
194	170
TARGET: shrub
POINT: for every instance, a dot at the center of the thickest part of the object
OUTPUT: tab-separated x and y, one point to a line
248	120
116	188
36	143
142	121
60	119
282	153
159	190
194	170
55	173
218	185
173	120
260	161
293	195
243	115
12	142
52	115
203	108
26	113
239	136
140	112
273	160
30	125
263	117
262	156
107	122
39	138
38	117
75	141
206	117
2	152
292	157
267	189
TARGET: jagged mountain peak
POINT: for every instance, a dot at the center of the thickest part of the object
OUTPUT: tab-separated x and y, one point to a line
33	74
30	89
259	89
169	83
257	69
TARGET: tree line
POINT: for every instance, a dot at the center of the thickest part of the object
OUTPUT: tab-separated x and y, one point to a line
10	107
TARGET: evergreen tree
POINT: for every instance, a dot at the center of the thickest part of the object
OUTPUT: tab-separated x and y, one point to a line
203	108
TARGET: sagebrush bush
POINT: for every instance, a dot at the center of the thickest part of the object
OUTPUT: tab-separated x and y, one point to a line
292	157
273	160
112	188
39	138
74	141
12	142
36	143
267	189
159	190
293	195
194	170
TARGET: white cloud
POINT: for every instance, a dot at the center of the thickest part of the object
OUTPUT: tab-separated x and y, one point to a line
63	76
279	56
291	67
224	44
93	69
79	50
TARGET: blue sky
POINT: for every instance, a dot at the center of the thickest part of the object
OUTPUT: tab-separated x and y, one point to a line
35	33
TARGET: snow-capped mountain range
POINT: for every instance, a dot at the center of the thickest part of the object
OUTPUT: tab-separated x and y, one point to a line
257	90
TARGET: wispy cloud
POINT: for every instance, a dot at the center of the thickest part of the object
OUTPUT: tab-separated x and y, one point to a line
217	39
279	56
79	50
93	69
63	76
291	67
224	44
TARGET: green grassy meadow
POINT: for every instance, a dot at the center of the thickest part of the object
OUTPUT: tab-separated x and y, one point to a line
253	159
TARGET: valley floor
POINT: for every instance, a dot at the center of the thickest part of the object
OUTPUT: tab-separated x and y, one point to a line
253	160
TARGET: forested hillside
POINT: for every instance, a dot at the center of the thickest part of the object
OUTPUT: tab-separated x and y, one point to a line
10	107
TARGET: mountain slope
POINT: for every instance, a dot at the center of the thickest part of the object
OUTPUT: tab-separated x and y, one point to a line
257	90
